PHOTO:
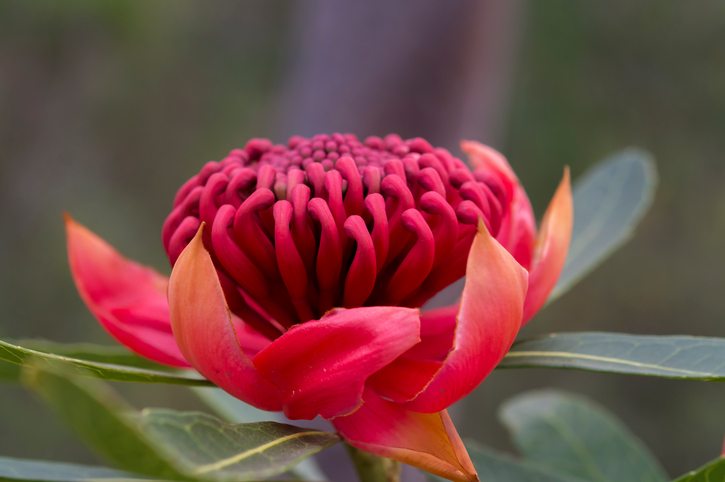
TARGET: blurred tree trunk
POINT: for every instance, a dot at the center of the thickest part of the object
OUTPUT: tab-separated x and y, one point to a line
440	70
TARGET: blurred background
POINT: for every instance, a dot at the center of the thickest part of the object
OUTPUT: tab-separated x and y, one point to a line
107	107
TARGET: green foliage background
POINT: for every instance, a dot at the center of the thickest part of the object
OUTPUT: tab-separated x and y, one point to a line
107	107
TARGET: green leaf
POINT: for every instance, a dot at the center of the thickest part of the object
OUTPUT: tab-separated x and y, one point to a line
207	447
682	357
575	437
495	466
86	365
99	417
37	470
712	472
9	372
115	354
169	444
609	201
234	410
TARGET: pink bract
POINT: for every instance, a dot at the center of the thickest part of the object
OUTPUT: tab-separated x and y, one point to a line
299	273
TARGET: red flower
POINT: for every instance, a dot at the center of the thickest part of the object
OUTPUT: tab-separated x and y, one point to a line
299	272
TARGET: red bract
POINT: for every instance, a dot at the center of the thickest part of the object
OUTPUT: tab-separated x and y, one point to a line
299	274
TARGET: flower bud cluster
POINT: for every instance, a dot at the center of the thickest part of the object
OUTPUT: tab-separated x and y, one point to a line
329	221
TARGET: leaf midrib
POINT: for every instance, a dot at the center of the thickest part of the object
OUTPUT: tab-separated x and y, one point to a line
616	361
229	461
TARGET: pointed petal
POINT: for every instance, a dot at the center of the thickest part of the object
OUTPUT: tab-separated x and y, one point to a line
482	156
518	228
321	366
427	441
552	244
128	299
204	330
488	319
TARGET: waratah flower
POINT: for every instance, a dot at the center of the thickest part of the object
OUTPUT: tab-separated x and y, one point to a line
300	270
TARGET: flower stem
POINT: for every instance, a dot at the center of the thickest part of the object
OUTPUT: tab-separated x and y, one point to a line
371	468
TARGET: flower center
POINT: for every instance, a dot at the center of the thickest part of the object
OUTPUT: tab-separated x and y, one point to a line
329	221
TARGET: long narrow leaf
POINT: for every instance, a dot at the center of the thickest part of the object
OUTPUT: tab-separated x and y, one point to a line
12	469
233	410
609	202
712	472
17	355
682	357
99	417
207	447
114	354
170	444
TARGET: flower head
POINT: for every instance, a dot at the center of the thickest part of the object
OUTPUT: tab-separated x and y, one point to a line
334	222
300	270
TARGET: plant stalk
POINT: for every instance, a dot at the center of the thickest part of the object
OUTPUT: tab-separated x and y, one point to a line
371	468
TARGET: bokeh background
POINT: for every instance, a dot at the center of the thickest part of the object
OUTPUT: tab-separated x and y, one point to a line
107	107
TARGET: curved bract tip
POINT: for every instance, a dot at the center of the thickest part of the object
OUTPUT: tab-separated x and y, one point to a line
482	156
425	440
552	245
203	328
127	298
486	324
